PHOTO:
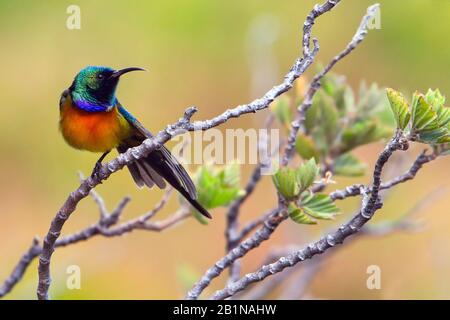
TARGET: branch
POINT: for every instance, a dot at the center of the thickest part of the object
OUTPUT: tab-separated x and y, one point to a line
21	267
231	231
252	225
254	241
370	204
355	190
101	227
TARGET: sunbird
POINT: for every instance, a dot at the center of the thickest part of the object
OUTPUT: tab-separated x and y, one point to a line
92	119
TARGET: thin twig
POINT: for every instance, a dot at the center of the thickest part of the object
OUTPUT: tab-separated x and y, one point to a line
355	190
315	83
21	267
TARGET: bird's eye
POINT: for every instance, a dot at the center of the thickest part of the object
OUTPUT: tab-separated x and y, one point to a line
100	76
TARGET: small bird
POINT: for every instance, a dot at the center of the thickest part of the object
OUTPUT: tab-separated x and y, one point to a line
92	119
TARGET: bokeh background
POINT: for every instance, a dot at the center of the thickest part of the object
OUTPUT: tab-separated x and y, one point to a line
213	55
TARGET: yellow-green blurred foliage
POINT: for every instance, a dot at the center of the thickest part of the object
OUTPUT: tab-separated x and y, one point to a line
200	53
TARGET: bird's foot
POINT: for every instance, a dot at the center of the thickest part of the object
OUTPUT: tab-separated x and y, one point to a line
96	171
98	165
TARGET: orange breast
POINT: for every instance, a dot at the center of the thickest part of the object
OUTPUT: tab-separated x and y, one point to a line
92	131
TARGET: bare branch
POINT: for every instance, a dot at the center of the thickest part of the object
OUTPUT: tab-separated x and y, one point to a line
21	267
139	223
252	225
254	241
355	190
231	231
97	198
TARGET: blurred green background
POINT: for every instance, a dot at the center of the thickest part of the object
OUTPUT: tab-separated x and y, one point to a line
213	55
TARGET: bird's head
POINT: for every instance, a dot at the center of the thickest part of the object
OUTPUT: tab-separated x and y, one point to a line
94	87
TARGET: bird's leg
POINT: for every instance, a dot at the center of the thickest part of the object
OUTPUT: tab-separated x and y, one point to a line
98	164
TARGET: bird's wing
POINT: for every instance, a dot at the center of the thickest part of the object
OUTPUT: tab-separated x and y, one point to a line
63	98
177	170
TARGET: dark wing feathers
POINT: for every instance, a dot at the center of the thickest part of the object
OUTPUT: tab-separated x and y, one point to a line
135	174
180	172
159	181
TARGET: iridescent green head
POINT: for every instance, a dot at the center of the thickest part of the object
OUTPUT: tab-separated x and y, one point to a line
94	87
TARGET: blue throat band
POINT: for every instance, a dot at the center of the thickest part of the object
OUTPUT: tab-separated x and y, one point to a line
90	107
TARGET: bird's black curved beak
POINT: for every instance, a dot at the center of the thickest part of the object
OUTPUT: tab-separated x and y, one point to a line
116	74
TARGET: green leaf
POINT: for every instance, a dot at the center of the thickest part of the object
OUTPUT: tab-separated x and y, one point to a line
435	98
286	183
399	107
319	206
383	114
298	215
431	119
348	103
362	132
329	117
306	174
335	87
312	117
282	110
443	118
218	186
348	165
231	175
423	115
438	135
370	100
306	148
